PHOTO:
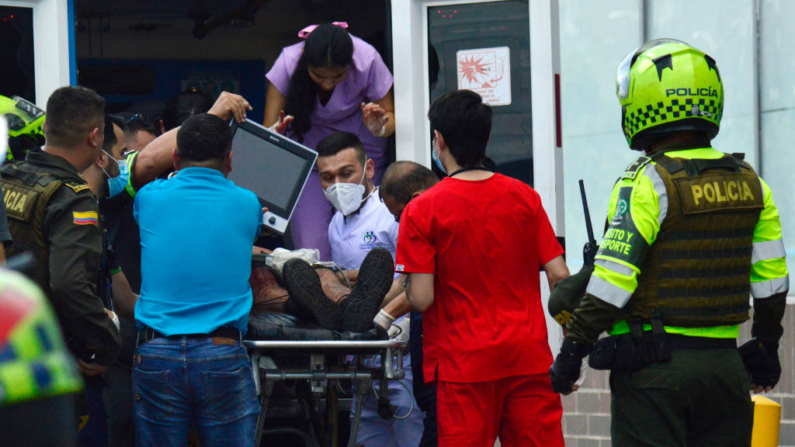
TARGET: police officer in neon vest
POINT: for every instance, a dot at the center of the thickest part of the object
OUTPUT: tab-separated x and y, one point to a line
691	233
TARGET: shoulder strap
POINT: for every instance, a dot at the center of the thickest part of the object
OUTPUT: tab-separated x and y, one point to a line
25	177
740	158
699	165
667	163
632	170
696	166
76	187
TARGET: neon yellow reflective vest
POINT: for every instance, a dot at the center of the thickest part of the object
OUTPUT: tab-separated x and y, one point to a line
641	195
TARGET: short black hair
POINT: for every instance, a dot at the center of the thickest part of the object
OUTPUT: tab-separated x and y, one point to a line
339	141
404	178
203	137
186	104
133	122
110	132
71	112
465	124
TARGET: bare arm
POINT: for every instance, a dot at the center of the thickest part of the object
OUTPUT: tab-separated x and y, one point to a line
398	307
155	158
274	103
124	298
556	270
420	291
388	104
394	291
379	116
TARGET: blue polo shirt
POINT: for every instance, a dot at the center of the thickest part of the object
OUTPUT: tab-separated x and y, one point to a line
197	230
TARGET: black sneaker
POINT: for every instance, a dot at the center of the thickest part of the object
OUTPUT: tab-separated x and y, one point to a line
364	302
307	299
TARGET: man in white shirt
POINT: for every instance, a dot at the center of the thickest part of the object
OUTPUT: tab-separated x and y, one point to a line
363	224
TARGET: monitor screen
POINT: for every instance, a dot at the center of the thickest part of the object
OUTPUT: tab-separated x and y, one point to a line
271	170
272	166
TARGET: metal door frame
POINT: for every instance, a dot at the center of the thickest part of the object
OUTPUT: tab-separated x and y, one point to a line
412	97
53	50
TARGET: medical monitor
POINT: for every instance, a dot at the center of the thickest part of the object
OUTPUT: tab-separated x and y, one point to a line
274	167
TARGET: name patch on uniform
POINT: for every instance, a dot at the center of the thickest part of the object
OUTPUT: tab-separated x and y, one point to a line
86	218
720	192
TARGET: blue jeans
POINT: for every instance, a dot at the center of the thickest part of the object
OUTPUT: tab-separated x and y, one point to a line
180	381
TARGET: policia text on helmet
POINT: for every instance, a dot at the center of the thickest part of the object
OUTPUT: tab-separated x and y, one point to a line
688	97
691	233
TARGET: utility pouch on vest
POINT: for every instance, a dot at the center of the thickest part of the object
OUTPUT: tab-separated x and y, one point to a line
615	353
654	347
630	352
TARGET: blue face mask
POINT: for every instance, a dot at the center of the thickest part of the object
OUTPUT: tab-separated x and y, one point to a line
435	154
117	184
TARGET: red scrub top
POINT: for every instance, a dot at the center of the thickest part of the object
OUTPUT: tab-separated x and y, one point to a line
484	241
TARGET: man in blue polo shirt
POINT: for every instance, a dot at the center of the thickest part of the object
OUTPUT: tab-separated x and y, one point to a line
197	230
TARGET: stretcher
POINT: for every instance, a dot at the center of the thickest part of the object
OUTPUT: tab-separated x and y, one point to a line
284	350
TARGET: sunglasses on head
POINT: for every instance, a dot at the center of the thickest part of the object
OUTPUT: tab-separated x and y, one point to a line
137	117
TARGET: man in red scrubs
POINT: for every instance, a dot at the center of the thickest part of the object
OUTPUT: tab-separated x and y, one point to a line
472	247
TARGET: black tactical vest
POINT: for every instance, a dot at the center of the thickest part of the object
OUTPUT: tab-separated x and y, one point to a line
697	272
26	198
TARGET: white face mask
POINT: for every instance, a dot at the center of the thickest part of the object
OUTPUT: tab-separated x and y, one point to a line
347	197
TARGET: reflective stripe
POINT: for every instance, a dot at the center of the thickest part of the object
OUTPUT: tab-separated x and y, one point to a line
768	250
766	289
607	292
659	188
614	267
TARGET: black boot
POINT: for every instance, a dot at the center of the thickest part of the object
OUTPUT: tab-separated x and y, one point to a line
375	280
307	299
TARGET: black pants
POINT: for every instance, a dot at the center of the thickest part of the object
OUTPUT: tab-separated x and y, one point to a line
425	395
700	398
118	396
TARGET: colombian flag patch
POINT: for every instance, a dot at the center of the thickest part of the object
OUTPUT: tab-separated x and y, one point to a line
86	218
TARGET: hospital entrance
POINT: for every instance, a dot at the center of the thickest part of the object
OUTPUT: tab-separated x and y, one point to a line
139	54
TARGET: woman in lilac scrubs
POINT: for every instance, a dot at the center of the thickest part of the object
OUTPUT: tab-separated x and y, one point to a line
331	82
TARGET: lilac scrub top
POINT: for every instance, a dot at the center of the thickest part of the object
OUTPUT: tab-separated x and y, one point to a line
368	80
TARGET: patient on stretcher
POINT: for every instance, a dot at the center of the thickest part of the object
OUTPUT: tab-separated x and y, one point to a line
321	295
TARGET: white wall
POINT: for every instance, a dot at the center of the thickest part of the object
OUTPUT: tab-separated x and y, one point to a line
777	100
595	35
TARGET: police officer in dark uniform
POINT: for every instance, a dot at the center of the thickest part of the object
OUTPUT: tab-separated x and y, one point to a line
53	214
692	232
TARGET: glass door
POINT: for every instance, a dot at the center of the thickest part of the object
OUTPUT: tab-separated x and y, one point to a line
485	47
506	50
